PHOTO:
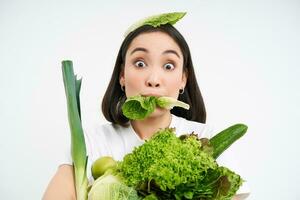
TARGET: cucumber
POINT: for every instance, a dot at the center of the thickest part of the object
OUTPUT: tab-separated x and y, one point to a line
221	141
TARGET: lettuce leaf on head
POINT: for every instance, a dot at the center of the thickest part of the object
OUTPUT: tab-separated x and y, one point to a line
139	107
157	20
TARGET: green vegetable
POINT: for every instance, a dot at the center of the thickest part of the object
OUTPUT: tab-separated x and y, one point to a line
221	141
111	187
139	107
101	165
78	150
157	20
151	197
169	167
169	103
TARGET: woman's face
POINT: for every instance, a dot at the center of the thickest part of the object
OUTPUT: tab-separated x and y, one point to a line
153	66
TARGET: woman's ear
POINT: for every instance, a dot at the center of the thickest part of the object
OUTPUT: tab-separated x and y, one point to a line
122	78
184	78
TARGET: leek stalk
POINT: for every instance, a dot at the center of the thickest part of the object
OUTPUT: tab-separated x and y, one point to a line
78	149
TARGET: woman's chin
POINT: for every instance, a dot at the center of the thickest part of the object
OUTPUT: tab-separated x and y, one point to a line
158	112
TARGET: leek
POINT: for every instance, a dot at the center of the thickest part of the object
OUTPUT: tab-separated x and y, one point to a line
78	149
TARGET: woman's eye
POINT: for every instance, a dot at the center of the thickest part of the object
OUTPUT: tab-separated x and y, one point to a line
140	63
169	66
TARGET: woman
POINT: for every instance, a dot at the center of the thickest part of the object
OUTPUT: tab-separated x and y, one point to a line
152	61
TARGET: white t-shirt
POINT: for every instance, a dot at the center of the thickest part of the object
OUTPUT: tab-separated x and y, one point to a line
117	141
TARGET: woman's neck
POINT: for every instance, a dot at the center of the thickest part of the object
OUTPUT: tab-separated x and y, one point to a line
147	127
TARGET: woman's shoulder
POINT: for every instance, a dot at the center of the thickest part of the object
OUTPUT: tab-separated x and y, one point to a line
184	126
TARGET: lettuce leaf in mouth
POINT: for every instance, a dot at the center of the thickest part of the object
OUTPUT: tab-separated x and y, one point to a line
140	107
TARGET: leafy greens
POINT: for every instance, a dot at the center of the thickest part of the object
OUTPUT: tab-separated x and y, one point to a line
168	167
139	107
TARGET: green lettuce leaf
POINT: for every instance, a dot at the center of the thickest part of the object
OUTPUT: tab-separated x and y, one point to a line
169	103
139	107
168	167
111	187
157	20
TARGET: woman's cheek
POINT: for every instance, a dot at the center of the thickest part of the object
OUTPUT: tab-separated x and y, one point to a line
173	87
133	83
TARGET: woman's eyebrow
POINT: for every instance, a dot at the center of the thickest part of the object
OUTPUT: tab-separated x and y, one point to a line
171	51
139	49
146	51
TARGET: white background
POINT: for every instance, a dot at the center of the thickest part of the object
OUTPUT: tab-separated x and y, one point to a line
245	53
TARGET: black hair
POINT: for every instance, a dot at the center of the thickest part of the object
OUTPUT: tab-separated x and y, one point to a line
114	97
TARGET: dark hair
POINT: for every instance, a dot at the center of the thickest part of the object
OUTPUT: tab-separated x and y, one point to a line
114	97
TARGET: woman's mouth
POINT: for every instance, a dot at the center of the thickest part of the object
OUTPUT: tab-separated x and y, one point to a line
151	94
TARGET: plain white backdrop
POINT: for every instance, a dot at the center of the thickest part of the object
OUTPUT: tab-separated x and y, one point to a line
245	53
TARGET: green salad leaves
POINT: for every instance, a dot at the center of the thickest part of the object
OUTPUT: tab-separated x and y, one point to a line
139	107
111	187
168	167
157	20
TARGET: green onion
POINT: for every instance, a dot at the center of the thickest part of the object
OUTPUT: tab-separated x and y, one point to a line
78	149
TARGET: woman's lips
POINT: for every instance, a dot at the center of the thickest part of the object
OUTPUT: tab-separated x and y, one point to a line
151	94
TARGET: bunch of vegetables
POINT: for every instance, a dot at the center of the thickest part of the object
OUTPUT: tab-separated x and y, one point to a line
164	167
171	167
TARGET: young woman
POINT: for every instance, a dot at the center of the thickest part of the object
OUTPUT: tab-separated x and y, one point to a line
152	61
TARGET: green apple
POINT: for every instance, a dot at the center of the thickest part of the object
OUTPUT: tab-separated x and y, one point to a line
101	165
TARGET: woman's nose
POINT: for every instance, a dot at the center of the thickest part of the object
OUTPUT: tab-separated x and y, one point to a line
152	84
153	80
